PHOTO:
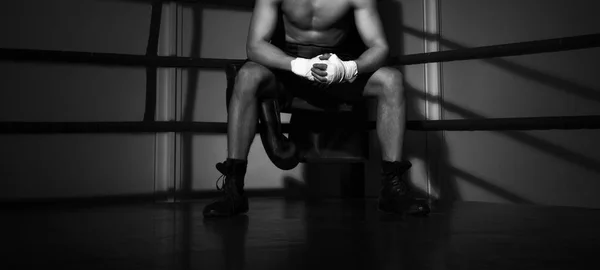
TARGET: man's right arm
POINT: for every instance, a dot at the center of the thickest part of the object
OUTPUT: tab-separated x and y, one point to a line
258	46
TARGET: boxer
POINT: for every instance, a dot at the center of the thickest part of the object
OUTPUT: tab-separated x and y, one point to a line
317	60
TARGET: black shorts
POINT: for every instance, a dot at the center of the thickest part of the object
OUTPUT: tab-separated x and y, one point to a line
294	86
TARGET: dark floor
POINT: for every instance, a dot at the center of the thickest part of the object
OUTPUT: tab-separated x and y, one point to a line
281	234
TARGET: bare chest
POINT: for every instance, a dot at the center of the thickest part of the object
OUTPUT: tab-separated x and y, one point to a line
316	14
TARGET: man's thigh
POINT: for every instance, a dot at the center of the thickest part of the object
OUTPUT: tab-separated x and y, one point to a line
348	92
253	76
383	82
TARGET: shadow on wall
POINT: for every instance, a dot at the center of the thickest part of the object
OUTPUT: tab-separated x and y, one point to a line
554	82
188	105
447	183
540	145
391	14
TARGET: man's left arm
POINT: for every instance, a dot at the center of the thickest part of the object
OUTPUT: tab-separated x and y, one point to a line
370	29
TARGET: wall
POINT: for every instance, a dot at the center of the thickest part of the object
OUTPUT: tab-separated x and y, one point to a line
78	165
535	167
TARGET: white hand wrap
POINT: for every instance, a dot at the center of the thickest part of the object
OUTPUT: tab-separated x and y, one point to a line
339	71
302	66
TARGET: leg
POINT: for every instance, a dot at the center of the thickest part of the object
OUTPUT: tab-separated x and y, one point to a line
251	81
386	85
397	194
242	116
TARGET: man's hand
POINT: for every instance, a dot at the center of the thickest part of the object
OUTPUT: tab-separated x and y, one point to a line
332	69
302	67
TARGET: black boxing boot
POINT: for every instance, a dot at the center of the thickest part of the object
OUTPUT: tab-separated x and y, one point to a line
397	195
233	200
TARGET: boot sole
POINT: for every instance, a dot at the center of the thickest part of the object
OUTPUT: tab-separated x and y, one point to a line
221	215
215	214
406	210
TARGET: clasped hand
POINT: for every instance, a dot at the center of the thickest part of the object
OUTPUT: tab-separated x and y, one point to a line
326	69
331	69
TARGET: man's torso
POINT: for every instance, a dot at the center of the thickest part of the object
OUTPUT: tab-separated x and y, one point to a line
317	22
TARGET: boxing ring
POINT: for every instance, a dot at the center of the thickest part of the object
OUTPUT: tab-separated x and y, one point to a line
152	61
290	234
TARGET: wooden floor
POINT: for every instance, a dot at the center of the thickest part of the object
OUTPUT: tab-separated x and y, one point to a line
283	234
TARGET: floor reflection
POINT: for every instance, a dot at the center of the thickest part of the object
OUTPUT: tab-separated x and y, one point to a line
295	234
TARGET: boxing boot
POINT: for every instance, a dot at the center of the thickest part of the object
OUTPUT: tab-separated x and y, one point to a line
280	150
233	201
397	195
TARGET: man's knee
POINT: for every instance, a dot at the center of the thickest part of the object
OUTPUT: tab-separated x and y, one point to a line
389	81
250	77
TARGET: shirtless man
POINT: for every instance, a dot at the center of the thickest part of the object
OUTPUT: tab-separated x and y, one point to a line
316	60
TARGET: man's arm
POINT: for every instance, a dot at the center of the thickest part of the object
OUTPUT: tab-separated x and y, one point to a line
262	26
368	24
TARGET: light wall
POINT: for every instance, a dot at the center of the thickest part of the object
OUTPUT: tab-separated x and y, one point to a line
538	167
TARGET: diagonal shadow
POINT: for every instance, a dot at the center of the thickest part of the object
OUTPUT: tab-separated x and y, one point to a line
537	143
540	77
451	173
528	73
486	185
391	12
392	15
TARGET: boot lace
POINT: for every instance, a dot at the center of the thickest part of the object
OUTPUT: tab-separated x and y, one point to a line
394	180
224	186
